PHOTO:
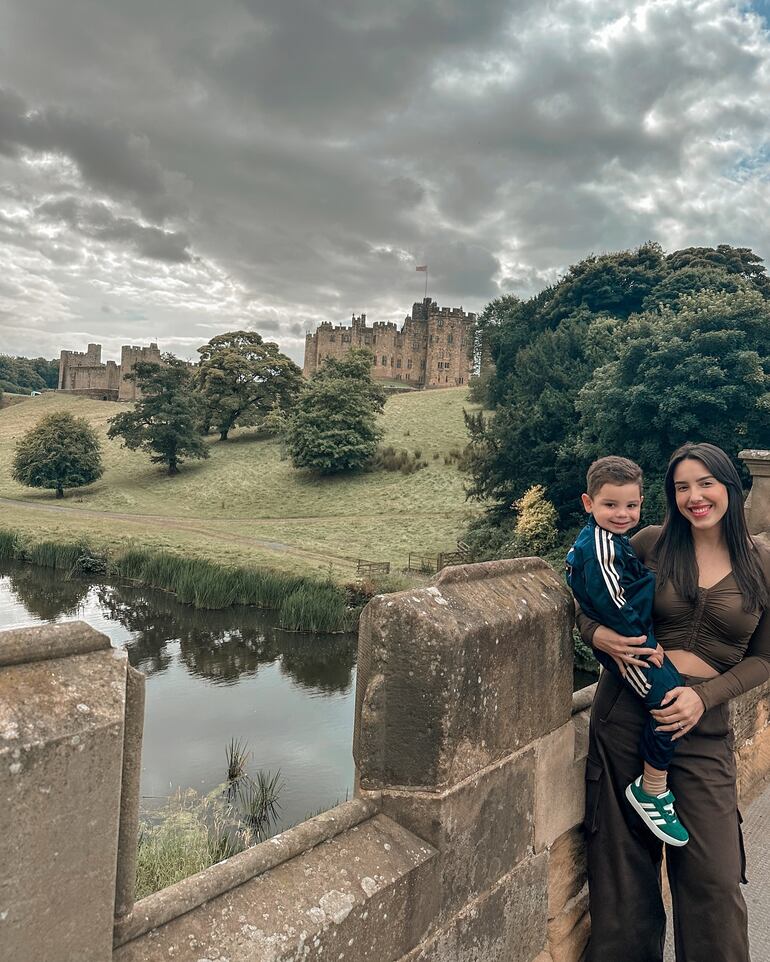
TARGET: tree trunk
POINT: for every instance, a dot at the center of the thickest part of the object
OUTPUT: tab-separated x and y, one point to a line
223	434
172	468
59	491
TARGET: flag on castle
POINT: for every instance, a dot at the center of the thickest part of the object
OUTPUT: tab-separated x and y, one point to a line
423	268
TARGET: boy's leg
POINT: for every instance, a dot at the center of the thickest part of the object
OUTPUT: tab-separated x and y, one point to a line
657	747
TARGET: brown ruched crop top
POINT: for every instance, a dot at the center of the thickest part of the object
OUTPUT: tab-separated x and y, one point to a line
734	642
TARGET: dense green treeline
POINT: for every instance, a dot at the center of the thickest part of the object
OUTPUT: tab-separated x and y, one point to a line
631	353
20	375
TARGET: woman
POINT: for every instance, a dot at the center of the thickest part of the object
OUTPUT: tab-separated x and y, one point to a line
712	618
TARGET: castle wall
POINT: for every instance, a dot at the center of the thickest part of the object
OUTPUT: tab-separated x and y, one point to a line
85	374
432	348
130	356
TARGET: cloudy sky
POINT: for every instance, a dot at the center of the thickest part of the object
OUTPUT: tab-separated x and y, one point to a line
170	169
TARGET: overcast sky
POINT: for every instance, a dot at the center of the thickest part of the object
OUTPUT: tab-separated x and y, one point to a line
171	169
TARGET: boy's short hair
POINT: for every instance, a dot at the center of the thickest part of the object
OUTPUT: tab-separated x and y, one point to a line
612	470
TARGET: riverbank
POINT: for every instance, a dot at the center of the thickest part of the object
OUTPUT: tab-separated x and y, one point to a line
303	603
247	505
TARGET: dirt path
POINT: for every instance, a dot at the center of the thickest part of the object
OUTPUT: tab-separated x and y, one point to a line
196	527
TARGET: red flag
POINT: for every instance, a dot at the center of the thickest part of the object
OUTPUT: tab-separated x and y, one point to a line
423	268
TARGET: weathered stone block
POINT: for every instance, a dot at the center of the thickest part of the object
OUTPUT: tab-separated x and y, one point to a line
481	828
508	923
559	785
758	502
61	747
366	895
566	870
453	677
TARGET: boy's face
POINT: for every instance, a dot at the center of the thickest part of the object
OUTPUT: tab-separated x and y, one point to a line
615	507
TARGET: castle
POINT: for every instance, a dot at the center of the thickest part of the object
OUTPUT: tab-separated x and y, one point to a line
86	374
433	349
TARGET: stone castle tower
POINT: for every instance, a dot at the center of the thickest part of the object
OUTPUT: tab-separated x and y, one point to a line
86	374
433	349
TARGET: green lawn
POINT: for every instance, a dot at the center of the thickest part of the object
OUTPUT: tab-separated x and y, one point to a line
246	504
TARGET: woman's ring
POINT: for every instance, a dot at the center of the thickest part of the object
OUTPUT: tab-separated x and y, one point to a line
681	724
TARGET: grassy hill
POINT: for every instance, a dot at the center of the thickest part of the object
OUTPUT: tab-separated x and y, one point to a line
247	505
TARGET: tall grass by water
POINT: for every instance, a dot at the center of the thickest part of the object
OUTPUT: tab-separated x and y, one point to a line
303	603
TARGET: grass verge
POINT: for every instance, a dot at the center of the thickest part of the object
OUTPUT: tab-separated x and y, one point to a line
303	603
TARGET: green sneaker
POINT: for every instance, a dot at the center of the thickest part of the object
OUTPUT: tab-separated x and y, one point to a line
657	813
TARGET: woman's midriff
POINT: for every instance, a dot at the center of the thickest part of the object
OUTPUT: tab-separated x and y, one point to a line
690	664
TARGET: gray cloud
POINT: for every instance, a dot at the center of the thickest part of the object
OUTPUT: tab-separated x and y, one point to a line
108	157
274	163
97	221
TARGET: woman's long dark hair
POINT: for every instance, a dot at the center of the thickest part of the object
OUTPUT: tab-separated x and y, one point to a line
675	549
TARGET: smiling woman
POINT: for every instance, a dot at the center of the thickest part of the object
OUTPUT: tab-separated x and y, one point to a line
712	617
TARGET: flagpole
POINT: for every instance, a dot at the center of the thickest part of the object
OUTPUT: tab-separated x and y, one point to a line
426	283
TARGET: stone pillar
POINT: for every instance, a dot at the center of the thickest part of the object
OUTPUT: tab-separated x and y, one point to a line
62	729
459	686
758	501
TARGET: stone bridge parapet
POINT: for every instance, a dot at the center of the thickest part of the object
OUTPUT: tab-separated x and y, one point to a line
463	843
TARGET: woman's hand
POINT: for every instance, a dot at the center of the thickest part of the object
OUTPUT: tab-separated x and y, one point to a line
625	650
682	714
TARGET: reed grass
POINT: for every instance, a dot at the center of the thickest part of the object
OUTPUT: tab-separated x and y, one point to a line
315	607
304	604
9	545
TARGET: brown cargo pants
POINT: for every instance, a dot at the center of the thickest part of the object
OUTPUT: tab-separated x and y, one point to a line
628	920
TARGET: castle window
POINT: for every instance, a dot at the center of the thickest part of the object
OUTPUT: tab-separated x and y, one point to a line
346	339
450	339
398	362
391	362
384	361
422	364
409	363
374	339
461	381
440	322
332	337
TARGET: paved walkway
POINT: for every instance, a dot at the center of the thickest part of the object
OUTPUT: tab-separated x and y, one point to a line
756	832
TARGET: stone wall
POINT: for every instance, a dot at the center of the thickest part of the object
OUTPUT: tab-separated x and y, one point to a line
464	842
433	347
85	374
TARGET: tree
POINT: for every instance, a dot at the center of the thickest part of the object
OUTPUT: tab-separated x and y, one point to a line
241	378
60	452
166	419
334	424
702	373
705	370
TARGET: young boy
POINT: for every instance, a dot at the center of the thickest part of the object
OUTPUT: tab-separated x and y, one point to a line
614	588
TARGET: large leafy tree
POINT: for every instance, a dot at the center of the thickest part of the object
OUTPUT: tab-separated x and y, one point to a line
619	308
60	452
700	373
241	378
166	419
20	375
334	425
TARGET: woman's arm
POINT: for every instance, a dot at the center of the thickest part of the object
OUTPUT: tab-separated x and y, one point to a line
747	674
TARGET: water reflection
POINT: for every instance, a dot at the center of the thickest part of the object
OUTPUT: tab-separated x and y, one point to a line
213	676
220	646
49	598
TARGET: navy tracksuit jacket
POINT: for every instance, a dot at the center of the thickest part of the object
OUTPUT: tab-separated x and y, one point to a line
613	587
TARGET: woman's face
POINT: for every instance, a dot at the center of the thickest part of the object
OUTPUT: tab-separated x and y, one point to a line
699	496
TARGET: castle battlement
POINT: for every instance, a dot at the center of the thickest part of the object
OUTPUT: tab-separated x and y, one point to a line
84	372
433	347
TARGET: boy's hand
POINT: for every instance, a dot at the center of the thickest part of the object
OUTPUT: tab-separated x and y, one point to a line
625	650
